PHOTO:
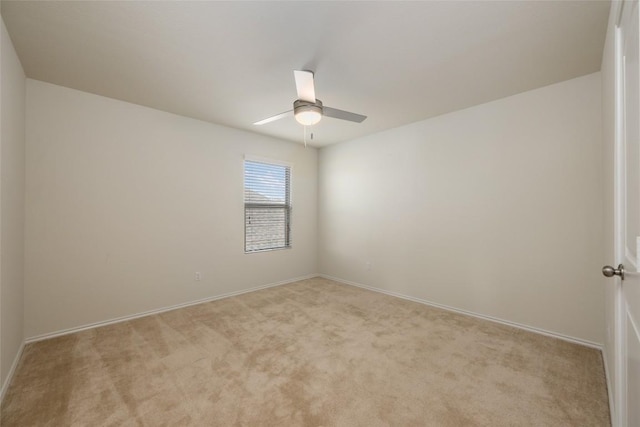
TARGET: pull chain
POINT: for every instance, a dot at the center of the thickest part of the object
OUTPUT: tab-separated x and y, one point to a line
305	136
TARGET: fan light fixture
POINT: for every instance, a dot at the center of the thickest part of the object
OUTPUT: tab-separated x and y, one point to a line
307	113
308	118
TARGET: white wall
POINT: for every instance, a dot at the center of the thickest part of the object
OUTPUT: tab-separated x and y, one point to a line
125	203
496	209
12	169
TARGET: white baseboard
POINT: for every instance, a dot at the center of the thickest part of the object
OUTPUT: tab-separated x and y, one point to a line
14	365
608	376
587	343
470	313
160	310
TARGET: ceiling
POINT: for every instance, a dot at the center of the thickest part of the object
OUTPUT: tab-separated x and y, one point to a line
232	63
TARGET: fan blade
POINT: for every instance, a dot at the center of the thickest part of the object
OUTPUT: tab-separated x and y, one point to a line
304	85
274	118
343	115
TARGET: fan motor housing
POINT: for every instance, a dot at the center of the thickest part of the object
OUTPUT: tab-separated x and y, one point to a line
300	105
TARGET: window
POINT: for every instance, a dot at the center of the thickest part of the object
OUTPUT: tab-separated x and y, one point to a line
267	206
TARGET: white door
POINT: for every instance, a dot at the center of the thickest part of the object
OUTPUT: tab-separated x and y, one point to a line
627	195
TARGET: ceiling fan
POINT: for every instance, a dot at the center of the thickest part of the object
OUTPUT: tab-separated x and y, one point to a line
307	109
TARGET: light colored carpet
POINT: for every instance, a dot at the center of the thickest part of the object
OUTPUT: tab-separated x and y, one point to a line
311	353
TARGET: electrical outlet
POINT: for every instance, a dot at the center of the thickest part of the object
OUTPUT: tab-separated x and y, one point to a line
367	265
198	276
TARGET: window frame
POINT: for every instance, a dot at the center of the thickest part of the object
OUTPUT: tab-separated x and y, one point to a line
288	207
